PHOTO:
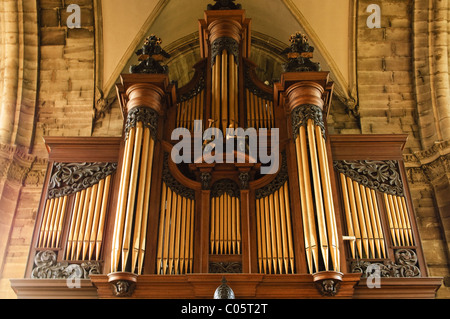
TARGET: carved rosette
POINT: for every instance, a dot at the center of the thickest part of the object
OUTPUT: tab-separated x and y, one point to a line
47	267
147	116
224	43
301	114
69	178
383	176
405	266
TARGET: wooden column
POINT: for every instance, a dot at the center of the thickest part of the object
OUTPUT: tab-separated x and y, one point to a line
306	95
143	97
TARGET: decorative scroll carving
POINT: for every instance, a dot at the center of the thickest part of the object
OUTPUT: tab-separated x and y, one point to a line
199	87
277	183
224	43
225	268
405	266
383	176
147	116
175	185
299	55
225	186
301	114
48	268
224	5
150	56
70	178
252	87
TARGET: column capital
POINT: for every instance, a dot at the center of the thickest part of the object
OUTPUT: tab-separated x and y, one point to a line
152	91
304	88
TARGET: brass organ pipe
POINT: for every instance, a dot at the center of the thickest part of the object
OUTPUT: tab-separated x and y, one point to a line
233	91
289	226
393	214
391	221
159	256
318	195
120	215
408	223
96	218
183	235
78	225
72	225
263	235
378	220
273	234
286	257
238	222
348	216
132	195
372	213
328	199
82	229
102	217
44	223
202	102
229	223
143	190
177	235
216	91
367	220
212	236
278	231
171	242
60	221
233	225
259	235
398	216
217	224
362	222
89	219
191	244
222	222
52	222
268	238
47	223
224	82
306	201
401	218
354	213
236	95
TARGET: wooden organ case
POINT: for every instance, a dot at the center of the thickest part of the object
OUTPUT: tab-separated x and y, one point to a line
120	218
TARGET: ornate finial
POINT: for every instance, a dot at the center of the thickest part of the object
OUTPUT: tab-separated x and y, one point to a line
299	55
150	56
224	291
224	5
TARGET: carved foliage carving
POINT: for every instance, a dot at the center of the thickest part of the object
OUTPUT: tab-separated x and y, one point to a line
173	184
147	116
383	176
405	265
301	114
224	43
47	267
277	183
69	178
225	267
225	186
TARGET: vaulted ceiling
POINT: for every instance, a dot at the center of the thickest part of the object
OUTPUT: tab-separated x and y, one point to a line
328	23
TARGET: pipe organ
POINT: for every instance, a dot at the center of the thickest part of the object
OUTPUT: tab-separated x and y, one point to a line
130	218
